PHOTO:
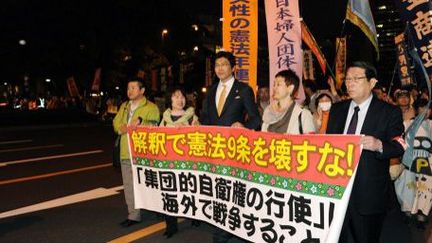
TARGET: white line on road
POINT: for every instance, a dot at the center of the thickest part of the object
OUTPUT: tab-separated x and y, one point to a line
16	141
12	162
31	148
62	201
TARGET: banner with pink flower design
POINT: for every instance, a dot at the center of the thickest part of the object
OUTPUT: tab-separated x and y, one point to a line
263	187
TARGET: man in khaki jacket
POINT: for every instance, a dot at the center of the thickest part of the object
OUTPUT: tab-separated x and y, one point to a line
137	111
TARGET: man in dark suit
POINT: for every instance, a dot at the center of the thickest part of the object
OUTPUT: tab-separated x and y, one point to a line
381	125
229	103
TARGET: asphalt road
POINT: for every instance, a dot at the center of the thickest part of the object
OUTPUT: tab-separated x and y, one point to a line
57	185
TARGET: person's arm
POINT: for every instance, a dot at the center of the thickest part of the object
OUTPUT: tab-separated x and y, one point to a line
393	145
254	118
118	124
152	116
307	122
333	90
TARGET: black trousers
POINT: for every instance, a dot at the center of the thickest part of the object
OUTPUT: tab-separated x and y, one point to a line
361	228
171	223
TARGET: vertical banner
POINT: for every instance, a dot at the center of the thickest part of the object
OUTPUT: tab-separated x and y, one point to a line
284	40
418	16
263	187
341	49
240	36
141	74
170	80
310	41
72	87
163	78
403	63
154	79
96	81
208	72
308	68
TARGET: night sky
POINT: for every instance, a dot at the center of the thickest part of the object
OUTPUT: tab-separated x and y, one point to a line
66	37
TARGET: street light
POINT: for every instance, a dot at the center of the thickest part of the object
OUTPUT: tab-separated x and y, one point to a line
22	42
195	27
195	48
164	33
48	80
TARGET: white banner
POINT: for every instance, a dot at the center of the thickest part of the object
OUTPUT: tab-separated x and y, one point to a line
284	39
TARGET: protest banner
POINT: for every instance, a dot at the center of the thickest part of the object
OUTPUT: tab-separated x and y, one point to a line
263	187
240	36
284	34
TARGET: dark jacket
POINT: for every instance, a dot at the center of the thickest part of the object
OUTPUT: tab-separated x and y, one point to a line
239	106
372	183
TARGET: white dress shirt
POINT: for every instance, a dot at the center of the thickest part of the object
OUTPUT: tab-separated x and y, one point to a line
361	114
228	85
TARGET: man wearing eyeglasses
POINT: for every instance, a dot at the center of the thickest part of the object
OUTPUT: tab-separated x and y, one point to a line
381	127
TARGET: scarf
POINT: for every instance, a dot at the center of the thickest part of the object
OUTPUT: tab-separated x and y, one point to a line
184	119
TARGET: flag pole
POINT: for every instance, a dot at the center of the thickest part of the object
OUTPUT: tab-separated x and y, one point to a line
317	46
392	79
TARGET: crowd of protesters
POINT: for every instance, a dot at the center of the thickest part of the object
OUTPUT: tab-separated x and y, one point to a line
323	111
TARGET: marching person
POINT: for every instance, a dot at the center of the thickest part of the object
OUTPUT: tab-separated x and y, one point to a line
382	127
137	111
284	115
229	103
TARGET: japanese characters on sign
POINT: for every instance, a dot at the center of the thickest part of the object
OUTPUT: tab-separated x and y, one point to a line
263	187
284	37
403	63
240	36
296	155
308	68
418	14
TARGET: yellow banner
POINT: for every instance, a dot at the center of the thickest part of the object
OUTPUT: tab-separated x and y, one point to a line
340	61
240	36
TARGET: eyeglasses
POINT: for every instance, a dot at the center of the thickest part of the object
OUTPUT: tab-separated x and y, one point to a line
355	79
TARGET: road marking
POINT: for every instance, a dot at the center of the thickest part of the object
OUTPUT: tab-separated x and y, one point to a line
62	201
16	141
31	148
64	172
13	162
142	232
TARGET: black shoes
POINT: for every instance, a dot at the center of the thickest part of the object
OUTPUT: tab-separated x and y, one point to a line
128	223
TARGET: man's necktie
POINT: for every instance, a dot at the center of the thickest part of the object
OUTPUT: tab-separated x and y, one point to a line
353	123
221	101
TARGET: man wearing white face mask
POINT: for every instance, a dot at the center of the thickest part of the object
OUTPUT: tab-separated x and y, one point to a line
323	103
